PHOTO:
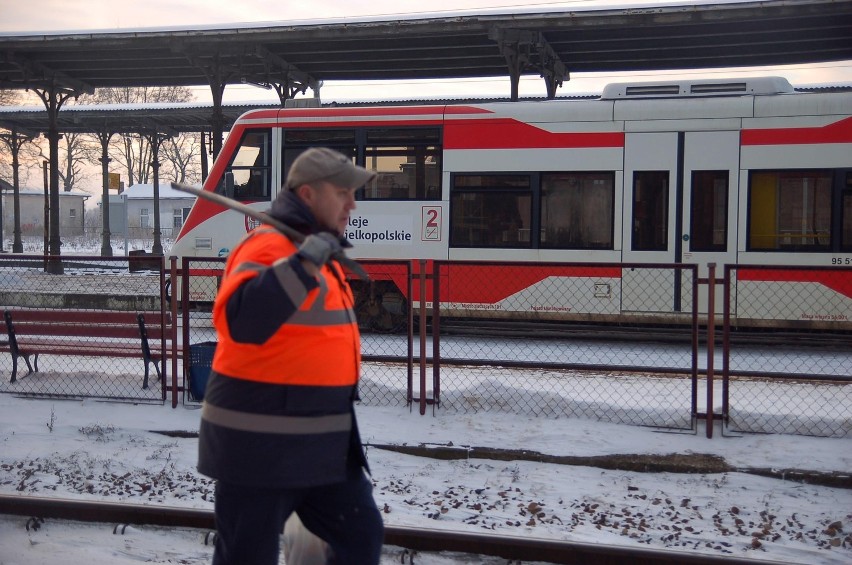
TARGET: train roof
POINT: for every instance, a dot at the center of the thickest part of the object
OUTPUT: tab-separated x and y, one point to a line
755	86
195	116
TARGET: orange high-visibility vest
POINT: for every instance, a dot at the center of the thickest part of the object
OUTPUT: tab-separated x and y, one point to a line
318	346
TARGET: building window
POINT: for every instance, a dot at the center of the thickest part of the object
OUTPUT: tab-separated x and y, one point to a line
177	218
144	219
72	213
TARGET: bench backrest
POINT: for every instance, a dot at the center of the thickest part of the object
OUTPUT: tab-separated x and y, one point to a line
156	325
85	323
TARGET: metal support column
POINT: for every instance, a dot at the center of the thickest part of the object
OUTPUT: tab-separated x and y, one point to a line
106	244
156	139
14	140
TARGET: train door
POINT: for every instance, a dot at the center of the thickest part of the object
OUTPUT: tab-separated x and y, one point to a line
708	218
648	236
680	195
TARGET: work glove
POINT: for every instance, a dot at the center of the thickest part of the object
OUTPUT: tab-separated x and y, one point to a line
319	247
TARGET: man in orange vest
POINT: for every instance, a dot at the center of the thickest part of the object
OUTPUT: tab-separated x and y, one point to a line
278	429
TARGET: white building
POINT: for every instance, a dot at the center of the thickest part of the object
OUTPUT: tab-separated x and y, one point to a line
71	211
174	208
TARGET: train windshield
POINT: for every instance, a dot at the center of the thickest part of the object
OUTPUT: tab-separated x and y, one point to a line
251	167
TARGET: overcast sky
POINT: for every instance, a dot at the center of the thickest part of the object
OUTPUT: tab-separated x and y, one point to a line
44	15
60	15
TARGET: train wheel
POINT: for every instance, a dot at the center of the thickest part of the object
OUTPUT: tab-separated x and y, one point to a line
389	313
381	309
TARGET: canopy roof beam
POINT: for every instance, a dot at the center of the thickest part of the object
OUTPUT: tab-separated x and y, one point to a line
39	76
289	80
527	50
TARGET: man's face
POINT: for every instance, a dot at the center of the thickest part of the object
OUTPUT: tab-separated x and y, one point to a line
331	205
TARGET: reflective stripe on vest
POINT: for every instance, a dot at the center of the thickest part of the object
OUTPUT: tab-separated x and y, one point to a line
267	424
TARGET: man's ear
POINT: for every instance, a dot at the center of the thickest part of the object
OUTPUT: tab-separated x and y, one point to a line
304	192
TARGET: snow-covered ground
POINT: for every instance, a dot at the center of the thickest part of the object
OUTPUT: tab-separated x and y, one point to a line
96	450
87	244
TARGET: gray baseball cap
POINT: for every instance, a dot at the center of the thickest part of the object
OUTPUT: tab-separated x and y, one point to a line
324	164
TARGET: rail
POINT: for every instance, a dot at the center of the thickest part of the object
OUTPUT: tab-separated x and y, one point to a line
419	539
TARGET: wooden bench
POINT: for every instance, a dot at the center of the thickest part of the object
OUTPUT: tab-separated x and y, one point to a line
96	333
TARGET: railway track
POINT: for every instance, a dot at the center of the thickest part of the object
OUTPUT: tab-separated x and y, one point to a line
639	333
416	539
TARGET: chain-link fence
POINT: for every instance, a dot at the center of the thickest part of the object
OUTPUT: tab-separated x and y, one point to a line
498	337
192	285
791	405
383	310
548	318
72	327
788	382
663	401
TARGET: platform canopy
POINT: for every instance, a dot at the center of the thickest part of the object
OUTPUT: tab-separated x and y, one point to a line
293	57
168	118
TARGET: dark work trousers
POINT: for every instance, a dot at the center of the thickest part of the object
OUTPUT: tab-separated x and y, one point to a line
250	520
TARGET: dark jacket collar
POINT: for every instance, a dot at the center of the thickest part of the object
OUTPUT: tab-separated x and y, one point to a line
290	209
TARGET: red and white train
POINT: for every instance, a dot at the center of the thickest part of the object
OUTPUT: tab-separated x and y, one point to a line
741	171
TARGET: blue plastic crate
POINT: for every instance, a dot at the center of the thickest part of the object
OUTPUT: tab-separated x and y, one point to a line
200	362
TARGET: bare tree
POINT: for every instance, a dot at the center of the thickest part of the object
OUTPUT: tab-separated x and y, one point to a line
74	153
181	155
92	222
7	98
140	95
10	97
29	167
132	152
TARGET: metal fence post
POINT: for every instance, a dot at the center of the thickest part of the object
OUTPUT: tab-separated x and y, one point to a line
174	335
726	341
422	337
409	397
711	326
436	337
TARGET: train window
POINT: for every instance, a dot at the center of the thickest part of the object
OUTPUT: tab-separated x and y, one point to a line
408	163
650	210
251	167
846	215
297	140
708	216
320	137
290	154
789	210
577	210
490	211
404	136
